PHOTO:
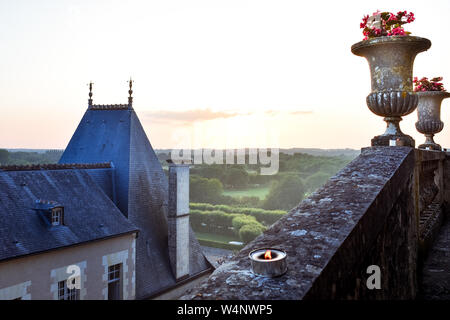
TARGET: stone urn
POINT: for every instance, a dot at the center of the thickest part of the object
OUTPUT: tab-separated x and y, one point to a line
429	116
391	62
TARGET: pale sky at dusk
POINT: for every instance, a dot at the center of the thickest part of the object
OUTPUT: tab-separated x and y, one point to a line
208	73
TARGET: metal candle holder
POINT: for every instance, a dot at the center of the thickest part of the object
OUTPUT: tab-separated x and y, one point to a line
274	266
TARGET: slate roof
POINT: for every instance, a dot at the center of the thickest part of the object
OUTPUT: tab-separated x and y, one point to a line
116	135
89	214
104	136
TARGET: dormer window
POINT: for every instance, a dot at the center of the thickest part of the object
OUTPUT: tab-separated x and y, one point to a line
57	216
51	212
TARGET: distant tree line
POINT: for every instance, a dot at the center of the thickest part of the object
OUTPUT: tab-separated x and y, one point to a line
24	157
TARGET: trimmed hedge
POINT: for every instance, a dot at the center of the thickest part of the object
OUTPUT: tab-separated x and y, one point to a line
248	232
226	231
213	222
239	221
225	223
201	206
213	217
266	217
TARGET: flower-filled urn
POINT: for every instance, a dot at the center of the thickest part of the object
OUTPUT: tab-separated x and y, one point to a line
431	93
390	52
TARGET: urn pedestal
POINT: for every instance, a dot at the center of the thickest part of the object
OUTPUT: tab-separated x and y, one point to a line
429	116
391	62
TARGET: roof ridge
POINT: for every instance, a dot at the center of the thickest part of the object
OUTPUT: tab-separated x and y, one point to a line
110	106
55	166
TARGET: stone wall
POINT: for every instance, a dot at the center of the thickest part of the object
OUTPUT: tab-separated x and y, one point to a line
36	276
365	215
435	261
446	175
430	188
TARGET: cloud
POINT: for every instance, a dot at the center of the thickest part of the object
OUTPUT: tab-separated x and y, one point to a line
301	112
295	113
195	115
190	116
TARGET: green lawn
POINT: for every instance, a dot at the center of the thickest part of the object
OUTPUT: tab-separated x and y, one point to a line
259	192
216	237
217	241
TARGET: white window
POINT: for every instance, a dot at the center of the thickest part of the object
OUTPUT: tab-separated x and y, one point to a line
60	288
56	217
115	282
65	293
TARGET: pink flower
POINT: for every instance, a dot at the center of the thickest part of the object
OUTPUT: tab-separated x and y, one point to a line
399	31
428	85
392	17
390	24
410	17
363	24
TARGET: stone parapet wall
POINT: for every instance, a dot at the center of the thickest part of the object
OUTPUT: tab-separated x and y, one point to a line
365	215
446	179
430	200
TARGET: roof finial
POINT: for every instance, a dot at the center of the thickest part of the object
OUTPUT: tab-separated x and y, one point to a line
90	94
130	92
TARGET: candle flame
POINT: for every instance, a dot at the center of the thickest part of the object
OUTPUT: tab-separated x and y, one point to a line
268	255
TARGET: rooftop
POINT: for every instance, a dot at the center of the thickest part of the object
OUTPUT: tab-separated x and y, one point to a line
88	213
55	166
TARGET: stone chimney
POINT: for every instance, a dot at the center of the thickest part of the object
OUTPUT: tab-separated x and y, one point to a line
178	220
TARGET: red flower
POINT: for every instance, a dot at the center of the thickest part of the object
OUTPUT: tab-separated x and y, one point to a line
392	17
390	24
399	31
410	17
428	85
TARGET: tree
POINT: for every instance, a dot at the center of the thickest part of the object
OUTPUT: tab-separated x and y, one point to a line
316	180
285	194
237	177
205	190
213	171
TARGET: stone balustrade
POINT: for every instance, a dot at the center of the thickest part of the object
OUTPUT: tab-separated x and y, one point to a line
370	213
